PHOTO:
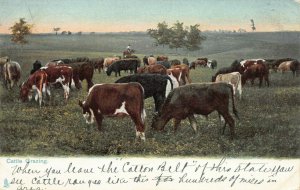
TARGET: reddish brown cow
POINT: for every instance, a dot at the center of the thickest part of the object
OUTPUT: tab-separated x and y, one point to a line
260	71
62	75
154	69
98	63
37	81
116	100
185	77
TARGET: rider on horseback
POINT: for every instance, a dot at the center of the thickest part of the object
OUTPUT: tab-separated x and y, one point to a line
129	48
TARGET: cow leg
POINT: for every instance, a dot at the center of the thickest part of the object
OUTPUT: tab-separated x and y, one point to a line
99	119
89	84
158	100
176	124
193	122
139	125
221	119
66	91
230	121
260	80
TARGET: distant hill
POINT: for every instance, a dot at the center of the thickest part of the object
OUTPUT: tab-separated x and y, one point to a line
217	45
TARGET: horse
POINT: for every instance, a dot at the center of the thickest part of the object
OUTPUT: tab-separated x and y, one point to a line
127	53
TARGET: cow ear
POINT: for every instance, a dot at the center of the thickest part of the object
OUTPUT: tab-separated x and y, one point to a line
80	103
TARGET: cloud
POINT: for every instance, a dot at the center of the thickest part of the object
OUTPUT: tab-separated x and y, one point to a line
297	1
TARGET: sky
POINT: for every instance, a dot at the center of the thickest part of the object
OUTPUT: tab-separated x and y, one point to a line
140	15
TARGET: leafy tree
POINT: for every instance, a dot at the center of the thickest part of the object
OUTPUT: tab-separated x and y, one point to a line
178	35
161	34
56	30
20	30
194	38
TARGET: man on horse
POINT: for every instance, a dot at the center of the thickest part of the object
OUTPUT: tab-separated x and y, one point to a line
129	48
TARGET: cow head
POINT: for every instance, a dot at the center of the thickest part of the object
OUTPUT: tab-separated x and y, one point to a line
87	112
109	71
25	92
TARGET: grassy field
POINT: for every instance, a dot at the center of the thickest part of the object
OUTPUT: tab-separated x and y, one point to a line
269	116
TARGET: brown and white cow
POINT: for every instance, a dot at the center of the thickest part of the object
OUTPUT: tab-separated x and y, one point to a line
293	66
62	75
11	74
235	79
175	75
36	82
115	100
203	98
185	77
249	62
260	71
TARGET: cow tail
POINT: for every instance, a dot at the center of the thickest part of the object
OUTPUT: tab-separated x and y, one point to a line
234	110
70	79
142	109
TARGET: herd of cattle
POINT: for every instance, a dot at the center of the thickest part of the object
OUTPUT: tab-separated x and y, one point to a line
168	82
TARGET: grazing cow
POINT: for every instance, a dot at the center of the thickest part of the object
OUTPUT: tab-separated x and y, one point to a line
212	64
81	71
203	58
260	71
37	81
162	58
113	100
185	61
175	62
62	75
203	98
36	66
289	66
154	69
82	59
123	64
234	67
274	63
11	73
108	61
234	79
97	63
155	85
152	60
166	64
185	77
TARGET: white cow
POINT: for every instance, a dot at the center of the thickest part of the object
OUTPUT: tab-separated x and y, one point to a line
234	79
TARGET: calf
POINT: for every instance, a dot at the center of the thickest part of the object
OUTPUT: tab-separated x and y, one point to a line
113	100
155	85
234	79
37	81
185	101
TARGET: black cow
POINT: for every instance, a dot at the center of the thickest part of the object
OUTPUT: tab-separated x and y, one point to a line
155	85
185	101
123	64
36	66
234	67
166	64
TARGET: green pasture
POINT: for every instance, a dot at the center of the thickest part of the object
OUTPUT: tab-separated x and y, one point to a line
269	116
